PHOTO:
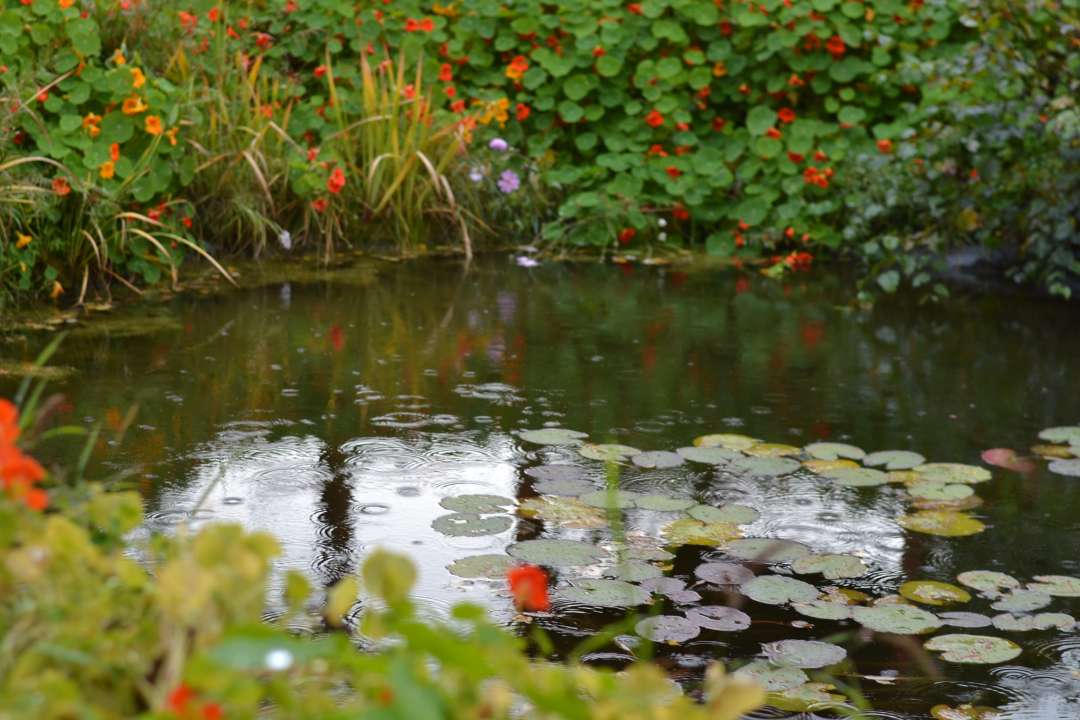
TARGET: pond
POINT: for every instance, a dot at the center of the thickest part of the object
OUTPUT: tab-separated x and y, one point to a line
355	412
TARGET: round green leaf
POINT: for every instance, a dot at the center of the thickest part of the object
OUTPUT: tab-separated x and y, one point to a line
1021	601
833	567
947	523
602	592
1056	585
804	654
856	477
974	649
778	590
492	567
670	629
735	514
556	553
987	581
607	452
766	550
953	473
835	451
772	677
710	455
477	504
688	531
932	592
898	619
719	617
894	459
553	436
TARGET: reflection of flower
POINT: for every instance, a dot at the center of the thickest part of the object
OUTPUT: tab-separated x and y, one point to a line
476	174
509	181
498	145
526	262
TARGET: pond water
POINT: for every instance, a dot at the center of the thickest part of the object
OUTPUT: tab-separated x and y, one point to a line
339	414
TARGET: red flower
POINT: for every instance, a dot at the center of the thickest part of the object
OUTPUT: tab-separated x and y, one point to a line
796	81
320	71
654	119
178	699
422	25
634	8
212	711
522	112
836	47
786	115
672	171
773	133
682	127
263	40
790	233
718	124
450	91
457	106
599	52
885	147
528	585
60	186
213	15
43	96
657	151
680	213
187	222
446	72
820	156
336	181
795	157
319	205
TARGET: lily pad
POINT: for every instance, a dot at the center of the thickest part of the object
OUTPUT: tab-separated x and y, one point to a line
949	473
773	450
822	467
688	531
476	504
607	453
670	629
735	514
709	455
633	571
1021	601
940	491
857	477
763	466
1056	585
492	567
671	588
988	581
731	441
822	610
719	617
556	472
621	499
471	525
973	649
965	712
932	592
766	550
894	459
602	592
567	487
553	436
1026	623
773	678
663	503
1066	435
566	511
1063	452
556	553
835	451
897	619
965	619
644	549
1070	468
721	573
947	523
807	697
832	567
804	654
658	459
778	590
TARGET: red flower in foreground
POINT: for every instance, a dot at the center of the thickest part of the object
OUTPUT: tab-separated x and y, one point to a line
528	585
626	235
884	146
786	115
836	47
654	119
18	472
522	112
60	186
422	25
336	181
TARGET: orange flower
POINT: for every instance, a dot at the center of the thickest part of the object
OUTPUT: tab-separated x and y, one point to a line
336	181
517	67
137	78
528	585
796	81
107	170
114	152
57	290
23	240
884	147
60	186
654	119
188	21
213	15
599	52
319	71
134	105
65	4
719	69
118	58
153	125
422	25
171	135
458	106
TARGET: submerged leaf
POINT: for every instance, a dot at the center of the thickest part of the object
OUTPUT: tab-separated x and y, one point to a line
940	491
670	629
567	511
965	712
947	523
804	654
688	531
973	649
932	592
710	455
1063	452
766	550
831	566
778	590
953	473
806	698
894	459
621	499
763	466
663	503
556	553
772	677
835	451
856	477
553	436
898	619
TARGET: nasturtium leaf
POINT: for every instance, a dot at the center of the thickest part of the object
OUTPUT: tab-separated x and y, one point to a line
825	466
663	503
709	455
556	553
688	531
772	450
1056	585
822	610
477	504
778	590
766	550
736	514
721	573
857	477
772	677
898	619
731	441
1026	623
988	581
894	459
953	473
492	567
603	592
1070	468
947	523
471	525
1067	435
670	629
553	436
763	466
633	571
804	654
835	451
566	511
965	619
965	712
1021	601
760	119
940	491
973	649
657	459
621	499
807	697
719	617
831	566
607	452
932	592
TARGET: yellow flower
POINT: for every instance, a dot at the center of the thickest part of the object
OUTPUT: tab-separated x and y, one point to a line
137	78
118	58
171	134
57	290
23	240
445	10
134	105
153	124
107	170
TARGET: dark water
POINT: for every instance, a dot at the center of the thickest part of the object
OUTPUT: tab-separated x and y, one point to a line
337	415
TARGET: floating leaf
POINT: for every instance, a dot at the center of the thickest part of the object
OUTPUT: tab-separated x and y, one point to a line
953	473
553	436
709	455
848	596
567	511
670	629
772	677
556	472
477	504
822	610
559	480
987	581
621	499
1021	601
556	553
671	588
940	491
1056	585
721	573
894	459
965	619
688	531
778	590
773	450
735	514
974	649
730	441
856	477
644	549
1063	452
658	459
1066	435
965	712
835	451
969	503
805	698
832	567
824	466
905	477
634	571
719	617
663	503
898	619
932	592
1008	459
804	654
1070	468
492	567
1026	623
607	453
948	523
766	550
763	466
471	525
605	593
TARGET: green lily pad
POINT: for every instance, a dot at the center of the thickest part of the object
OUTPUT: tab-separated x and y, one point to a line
663	503
553	436
804	654
1056	585
778	590
823	610
763	466
932	592
808	697
898	619
894	459
773	450
710	455
670	629
821	467
940	491
688	531
719	617
965	619
621	499
566	511
607	453
773	678
735	514
947	523
965	712
832	567
973	649
633	571
644	549
731	441
856	477
766	550
477	504
1026	623
556	472
1070	468
492	567
950	473
671	588
835	451
556	553
987	581
471	525
657	459
566	487
603	592
1066	434
1021	601
722	573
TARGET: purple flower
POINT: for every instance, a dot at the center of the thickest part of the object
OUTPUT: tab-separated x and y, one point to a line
526	262
509	181
498	145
